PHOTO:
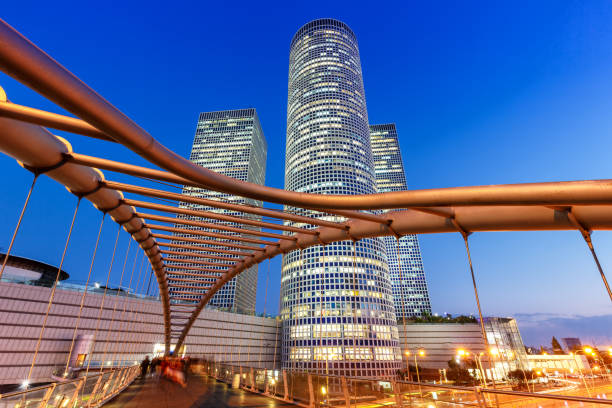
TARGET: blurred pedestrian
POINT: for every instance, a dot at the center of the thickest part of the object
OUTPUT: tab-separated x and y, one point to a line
144	367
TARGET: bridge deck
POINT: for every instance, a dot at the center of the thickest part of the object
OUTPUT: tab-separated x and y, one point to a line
201	392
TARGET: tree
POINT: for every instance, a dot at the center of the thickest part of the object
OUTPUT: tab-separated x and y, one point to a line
429	318
458	374
519	378
557	349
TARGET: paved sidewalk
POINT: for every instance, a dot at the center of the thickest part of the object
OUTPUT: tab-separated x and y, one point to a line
201	392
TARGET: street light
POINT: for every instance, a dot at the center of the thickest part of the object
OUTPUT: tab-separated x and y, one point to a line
420	353
407	354
580	371
465	353
596	356
509	355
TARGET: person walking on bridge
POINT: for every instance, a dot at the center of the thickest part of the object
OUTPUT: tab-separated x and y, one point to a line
144	367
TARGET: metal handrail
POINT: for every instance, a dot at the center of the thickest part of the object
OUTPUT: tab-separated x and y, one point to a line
476	389
549	396
43	387
54	384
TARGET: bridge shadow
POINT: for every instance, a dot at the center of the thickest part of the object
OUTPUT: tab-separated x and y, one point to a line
201	392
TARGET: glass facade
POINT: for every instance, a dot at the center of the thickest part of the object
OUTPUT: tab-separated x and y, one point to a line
408	283
336	301
231	143
506	344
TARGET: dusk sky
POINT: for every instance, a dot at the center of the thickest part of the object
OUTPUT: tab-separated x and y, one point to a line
481	92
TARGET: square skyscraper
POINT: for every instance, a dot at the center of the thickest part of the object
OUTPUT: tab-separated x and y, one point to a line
231	143
408	283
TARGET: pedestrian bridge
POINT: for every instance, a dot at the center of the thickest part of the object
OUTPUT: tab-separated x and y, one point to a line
193	253
220	385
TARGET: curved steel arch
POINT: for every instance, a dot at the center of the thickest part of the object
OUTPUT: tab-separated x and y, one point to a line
582	205
27	63
36	148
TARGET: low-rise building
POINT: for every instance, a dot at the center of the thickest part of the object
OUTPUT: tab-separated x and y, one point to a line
440	341
558	363
129	328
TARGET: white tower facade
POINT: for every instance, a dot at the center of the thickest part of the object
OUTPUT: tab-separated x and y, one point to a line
337	303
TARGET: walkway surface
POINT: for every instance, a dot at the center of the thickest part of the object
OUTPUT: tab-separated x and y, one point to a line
201	392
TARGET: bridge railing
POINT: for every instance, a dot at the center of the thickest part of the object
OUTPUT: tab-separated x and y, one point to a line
87	392
315	390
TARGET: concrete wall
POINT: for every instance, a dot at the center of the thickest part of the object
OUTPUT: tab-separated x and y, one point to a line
440	341
128	334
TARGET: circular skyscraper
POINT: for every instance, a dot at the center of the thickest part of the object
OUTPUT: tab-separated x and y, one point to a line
337	306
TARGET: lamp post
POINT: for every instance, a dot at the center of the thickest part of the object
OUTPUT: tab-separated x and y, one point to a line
537	373
463	352
596	356
407	354
418	353
520	364
421	353
580	371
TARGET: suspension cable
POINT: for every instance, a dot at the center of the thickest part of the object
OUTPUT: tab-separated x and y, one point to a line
23	209
355	291
261	346
482	327
399	265
135	315
320	365
51	297
93	258
276	336
93	343
324	274
125	303
294	363
149	283
117	299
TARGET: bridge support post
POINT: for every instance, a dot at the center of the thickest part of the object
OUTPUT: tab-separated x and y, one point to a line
311	397
252	379
479	397
95	390
345	391
397	393
409	391
47	396
124	375
75	394
285	386
106	387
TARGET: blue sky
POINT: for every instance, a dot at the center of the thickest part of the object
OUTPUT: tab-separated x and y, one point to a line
481	92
